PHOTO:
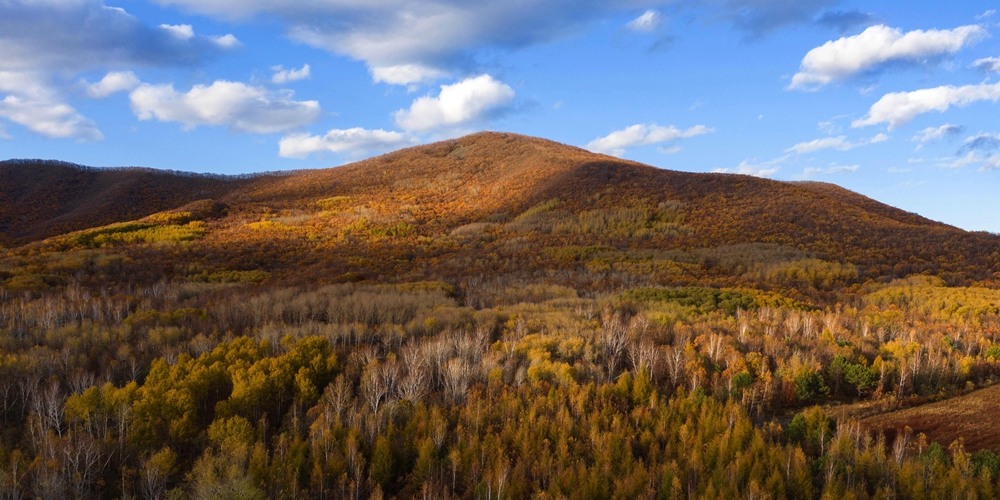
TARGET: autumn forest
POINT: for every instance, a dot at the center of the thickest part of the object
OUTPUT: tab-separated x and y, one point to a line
490	317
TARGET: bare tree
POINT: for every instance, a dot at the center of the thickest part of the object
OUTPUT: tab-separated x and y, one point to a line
153	480
675	364
644	354
338	395
901	446
614	339
11	482
378	383
48	404
457	377
82	462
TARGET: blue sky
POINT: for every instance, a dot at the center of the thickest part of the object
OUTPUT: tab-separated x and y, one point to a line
895	100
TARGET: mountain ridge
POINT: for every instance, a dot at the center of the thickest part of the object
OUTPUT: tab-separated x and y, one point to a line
491	179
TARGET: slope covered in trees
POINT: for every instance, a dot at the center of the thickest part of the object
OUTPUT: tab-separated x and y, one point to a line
493	316
39	199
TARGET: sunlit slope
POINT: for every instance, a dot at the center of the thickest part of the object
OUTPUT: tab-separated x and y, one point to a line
487	204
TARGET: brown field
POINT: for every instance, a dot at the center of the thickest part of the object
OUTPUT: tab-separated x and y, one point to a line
972	417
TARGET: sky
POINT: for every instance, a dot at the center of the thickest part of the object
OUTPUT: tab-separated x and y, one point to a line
894	100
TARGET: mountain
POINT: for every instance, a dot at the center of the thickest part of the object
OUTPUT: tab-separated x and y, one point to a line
496	203
437	321
39	198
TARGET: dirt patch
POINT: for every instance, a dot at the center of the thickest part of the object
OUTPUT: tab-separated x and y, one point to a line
972	417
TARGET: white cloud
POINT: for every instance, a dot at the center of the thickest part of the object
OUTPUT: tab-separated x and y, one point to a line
115	81
935	133
764	169
617	142
469	100
648	21
51	119
182	31
77	35
404	74
968	159
444	35
991	163
839	143
227	41
829	127
390	35
988	64
32	103
986	14
354	140
282	75
236	105
900	108
45	38
831	170
843	58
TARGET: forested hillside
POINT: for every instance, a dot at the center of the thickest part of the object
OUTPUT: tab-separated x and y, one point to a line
494	316
40	198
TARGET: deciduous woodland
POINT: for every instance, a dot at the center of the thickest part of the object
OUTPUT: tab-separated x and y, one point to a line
490	317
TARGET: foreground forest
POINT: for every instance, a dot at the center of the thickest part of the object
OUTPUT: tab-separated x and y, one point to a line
490	317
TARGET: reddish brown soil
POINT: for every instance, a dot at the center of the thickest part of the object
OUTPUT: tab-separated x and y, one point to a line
974	417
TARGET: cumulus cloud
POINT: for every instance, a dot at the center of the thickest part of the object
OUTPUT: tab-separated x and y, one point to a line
469	100
988	64
227	41
648	21
409	42
930	134
353	140
49	118
617	142
39	39
282	75
403	74
236	105
420	40
900	108
182	31
30	102
839	143
113	82
875	47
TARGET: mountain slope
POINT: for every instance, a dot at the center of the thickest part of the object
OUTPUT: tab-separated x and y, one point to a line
460	208
39	199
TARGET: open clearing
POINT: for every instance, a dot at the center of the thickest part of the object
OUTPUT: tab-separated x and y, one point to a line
972	417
